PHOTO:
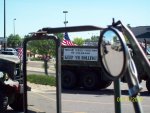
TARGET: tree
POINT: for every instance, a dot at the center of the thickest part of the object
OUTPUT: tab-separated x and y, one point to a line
60	36
46	48
94	38
87	40
14	41
43	47
115	38
78	41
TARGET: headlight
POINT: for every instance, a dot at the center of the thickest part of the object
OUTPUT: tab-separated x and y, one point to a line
1	74
15	72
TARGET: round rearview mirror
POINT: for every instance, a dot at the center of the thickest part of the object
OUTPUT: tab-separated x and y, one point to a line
112	52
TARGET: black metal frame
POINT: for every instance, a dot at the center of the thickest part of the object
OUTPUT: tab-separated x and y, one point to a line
58	67
43	34
71	29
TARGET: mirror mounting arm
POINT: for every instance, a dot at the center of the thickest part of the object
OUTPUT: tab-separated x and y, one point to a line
115	24
134	86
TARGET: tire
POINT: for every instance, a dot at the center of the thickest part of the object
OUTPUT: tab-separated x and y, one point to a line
148	85
3	103
89	81
17	104
104	84
68	80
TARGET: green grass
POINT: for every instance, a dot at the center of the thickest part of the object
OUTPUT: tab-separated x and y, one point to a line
42	79
35	59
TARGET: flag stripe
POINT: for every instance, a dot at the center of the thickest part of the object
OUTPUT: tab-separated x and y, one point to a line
20	52
66	41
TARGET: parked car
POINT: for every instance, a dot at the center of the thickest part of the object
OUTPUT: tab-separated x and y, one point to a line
9	51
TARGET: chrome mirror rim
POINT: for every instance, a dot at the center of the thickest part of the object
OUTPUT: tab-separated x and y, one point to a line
125	52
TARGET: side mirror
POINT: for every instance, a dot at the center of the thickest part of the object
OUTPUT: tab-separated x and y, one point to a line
112	52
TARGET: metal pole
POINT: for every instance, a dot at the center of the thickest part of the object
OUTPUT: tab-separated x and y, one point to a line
14	25
65	22
137	105
145	42
4	27
117	96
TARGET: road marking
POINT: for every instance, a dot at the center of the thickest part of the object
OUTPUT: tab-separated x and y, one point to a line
88	102
36	109
48	98
74	101
43	91
73	112
84	101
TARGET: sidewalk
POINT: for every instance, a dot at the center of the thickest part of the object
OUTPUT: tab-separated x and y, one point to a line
35	69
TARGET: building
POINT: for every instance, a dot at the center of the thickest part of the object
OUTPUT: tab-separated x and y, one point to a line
142	33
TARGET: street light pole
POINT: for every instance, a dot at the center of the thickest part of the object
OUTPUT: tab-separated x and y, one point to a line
4	27
65	22
14	25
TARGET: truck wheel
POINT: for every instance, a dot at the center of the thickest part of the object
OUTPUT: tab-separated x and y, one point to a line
90	81
148	85
17	104
3	103
68	80
104	84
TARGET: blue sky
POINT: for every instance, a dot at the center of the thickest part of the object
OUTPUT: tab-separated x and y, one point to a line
32	15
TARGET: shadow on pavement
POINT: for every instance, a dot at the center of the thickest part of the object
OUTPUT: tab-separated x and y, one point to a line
29	111
95	92
101	92
145	93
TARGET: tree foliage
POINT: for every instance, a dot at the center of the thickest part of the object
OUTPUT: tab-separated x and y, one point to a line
93	39
78	41
14	41
44	47
115	38
60	36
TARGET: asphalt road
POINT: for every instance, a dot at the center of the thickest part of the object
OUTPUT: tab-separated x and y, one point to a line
80	101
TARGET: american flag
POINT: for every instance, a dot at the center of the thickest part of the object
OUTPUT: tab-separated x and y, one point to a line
20	52
66	41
